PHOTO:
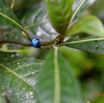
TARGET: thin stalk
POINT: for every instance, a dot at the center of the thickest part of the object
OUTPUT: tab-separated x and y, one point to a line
48	43
13	42
27	34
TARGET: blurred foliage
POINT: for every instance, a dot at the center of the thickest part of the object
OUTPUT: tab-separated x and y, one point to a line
18	4
87	66
98	9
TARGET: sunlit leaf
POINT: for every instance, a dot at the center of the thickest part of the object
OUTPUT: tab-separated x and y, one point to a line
18	75
57	82
88	24
60	12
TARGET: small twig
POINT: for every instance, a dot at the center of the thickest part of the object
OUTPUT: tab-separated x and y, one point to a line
48	43
13	42
27	34
45	45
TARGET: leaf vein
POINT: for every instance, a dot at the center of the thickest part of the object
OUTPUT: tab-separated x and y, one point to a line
57	77
15	74
81	41
10	19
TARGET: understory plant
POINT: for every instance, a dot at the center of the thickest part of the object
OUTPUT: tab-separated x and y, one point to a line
48	26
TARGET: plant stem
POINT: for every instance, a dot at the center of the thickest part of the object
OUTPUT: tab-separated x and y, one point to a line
27	34
48	43
13	42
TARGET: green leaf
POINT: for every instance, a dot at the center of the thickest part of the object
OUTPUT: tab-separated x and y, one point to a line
10	25
17	4
36	21
60	12
18	75
57	82
75	58
15	36
79	7
7	17
89	44
88	24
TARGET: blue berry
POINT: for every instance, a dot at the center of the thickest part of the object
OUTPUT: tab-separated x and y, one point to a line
35	42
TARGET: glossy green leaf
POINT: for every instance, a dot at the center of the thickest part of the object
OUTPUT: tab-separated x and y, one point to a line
89	44
10	25
88	24
79	7
18	75
7	17
36	21
57	82
60	12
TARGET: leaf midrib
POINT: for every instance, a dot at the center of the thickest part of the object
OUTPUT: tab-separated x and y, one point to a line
83	41
77	10
10	19
14	73
57	77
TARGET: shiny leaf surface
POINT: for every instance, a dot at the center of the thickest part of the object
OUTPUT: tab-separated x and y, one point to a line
89	25
18	75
